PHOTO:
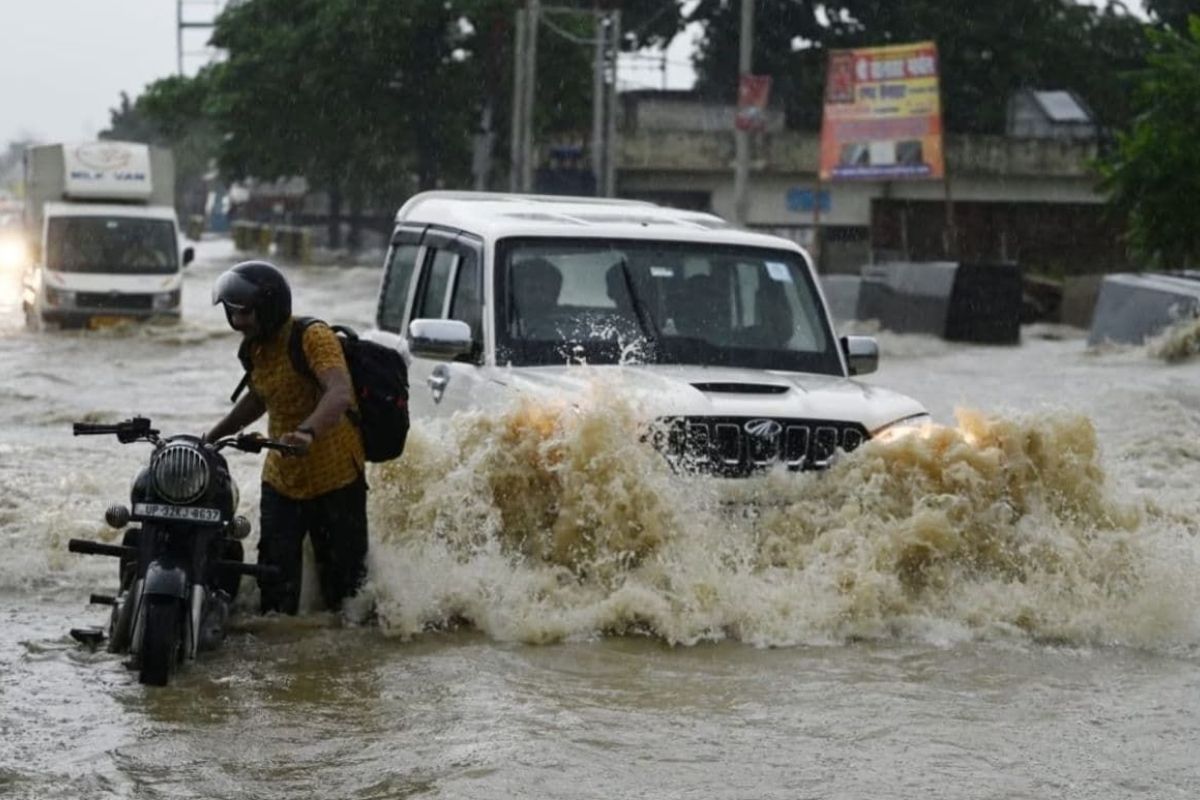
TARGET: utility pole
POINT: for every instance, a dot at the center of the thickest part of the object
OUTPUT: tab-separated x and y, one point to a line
605	39
610	144
533	14
741	138
598	148
517	134
182	24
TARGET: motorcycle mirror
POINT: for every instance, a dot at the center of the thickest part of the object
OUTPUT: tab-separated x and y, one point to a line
117	516
240	527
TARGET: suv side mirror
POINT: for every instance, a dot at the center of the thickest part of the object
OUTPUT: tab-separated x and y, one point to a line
862	354
189	255
441	339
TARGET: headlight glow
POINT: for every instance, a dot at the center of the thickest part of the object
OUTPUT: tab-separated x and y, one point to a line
901	428
13	254
180	473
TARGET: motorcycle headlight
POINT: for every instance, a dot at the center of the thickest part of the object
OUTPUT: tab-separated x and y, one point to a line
180	472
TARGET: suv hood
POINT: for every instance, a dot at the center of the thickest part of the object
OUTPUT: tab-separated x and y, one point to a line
672	390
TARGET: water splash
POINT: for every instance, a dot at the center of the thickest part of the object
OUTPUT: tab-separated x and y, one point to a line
1178	343
554	521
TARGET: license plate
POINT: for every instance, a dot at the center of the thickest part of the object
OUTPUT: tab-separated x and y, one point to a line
182	513
107	321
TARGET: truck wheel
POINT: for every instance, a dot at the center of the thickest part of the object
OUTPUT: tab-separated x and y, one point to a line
160	641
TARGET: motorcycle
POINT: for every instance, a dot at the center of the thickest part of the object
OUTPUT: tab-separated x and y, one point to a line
180	569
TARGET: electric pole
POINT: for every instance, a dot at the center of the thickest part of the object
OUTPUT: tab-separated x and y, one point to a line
598	95
741	138
610	142
182	24
517	133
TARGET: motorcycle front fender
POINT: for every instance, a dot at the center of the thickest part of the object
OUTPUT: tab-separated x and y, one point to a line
166	580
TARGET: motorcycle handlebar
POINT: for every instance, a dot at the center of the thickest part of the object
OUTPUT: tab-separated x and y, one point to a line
131	430
89	429
138	428
256	443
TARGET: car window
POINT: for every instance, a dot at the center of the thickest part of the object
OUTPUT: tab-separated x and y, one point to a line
127	245
431	304
396	285
665	302
465	302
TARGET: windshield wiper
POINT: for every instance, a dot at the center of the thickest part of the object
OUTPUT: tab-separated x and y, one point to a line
644	319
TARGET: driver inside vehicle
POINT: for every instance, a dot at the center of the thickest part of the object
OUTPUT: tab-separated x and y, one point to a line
776	325
700	312
536	284
139	253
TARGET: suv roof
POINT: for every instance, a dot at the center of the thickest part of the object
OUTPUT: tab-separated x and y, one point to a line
492	215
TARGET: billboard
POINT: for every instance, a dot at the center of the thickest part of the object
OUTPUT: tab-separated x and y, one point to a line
883	115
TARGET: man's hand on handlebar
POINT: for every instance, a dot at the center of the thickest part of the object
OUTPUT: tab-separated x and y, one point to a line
299	440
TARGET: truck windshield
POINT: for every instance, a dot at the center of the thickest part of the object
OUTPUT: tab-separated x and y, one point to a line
622	301
126	245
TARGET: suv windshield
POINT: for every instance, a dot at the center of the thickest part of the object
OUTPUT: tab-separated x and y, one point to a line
111	244
622	301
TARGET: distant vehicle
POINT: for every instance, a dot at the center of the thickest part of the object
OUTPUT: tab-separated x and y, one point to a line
100	223
723	334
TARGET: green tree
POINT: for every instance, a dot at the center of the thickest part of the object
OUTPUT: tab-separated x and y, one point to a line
372	99
1154	174
1173	13
171	112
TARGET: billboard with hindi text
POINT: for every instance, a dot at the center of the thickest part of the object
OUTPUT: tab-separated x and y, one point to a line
883	115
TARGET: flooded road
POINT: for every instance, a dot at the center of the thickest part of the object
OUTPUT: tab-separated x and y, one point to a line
1007	607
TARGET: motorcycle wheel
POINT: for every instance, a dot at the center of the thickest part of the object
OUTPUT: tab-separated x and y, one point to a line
120	623
160	641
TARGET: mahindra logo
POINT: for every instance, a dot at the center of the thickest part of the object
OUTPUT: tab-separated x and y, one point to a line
763	428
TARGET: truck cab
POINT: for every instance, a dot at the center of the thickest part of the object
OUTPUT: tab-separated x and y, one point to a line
104	235
723	335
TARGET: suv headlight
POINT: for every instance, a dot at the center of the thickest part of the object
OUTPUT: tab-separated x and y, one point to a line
179	473
901	428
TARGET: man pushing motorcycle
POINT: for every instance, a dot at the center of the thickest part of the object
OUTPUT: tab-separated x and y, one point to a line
321	492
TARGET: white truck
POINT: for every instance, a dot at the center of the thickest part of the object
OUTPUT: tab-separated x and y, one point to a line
103	235
723	334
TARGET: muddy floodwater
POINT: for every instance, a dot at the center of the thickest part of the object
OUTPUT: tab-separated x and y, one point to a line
1006	606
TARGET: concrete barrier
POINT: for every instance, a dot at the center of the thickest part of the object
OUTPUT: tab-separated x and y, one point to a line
288	242
1079	300
251	236
959	302
1133	306
293	243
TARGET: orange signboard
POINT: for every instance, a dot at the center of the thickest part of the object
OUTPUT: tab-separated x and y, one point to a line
883	114
753	94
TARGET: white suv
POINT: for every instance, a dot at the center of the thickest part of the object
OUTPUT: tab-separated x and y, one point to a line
723	334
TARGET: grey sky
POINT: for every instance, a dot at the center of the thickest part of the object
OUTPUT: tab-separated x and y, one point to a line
65	62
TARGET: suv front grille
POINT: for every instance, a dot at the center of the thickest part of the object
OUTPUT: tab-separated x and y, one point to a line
738	446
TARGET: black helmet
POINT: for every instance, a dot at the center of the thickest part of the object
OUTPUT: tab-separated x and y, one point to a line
257	285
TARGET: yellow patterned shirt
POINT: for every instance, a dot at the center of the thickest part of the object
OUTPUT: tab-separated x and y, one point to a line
336	457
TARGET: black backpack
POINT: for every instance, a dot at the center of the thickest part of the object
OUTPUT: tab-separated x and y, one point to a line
380	379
